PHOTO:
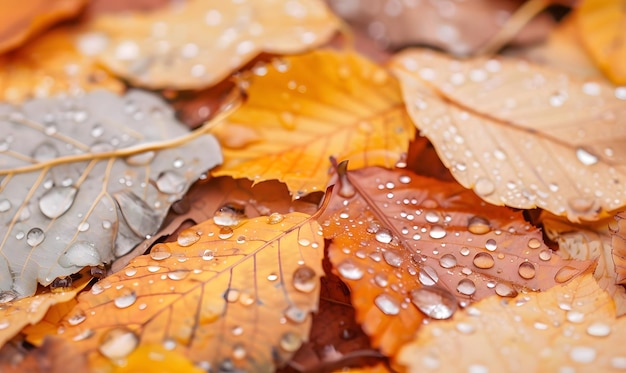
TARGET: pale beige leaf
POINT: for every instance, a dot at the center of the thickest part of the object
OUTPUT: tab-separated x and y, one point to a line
619	248
519	134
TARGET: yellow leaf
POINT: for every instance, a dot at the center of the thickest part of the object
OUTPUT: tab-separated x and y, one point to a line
568	328
519	134
303	109
226	297
602	29
198	43
156	359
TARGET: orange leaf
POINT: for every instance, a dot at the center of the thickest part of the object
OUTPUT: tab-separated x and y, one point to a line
294	120
601	26
198	43
402	242
619	248
157	359
52	357
520	134
568	328
20	21
230	297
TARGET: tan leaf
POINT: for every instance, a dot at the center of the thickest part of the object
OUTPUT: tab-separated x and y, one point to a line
52	357
294	120
404	242
619	248
197	43
567	328
520	134
223	297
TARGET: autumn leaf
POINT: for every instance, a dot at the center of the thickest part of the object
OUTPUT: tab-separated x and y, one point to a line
157	359
19	22
294	120
601	29
227	297
569	327
198	43
619	248
519	134
85	178
52	357
410	246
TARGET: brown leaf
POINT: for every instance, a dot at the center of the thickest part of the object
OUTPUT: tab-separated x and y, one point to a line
520	134
402	241
567	328
619	248
52	357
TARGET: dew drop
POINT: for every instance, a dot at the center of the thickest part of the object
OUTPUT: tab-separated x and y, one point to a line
232	295
290	342
130	272
505	290
76	318
80	254
618	362
534	243
392	258
565	274
117	343
56	201
447	261
348	270
437	232
387	304
35	236
275	218
295	314
141	159
599	329
580	204
381	280
170	182
464	251
178	275
526	270
484	186
434	302
272	277
582	354
491	244
304	279
483	260
586	157
466	287
5	205
208	255
160	252
432	217
225	233
575	317
383	235
239	351
127	299
4	324
190	236
465	328
545	255
428	276
229	214
404	179
478	225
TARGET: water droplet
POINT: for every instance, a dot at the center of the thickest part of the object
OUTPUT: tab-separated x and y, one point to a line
447	261
304	242
437	232
76	318
483	260
404	179
432	217
534	243
130	272
581	204
545	255
435	302
295	314
272	277
465	328
225	233
505	290
117	343
348	270
491	244
232	295
4	324
383	235
208	255
582	354
290	342
478	225
393	258
428	276
56	201
127	299
304	279
190	236
80	254
618	362
178	275
170	182
575	317
5	205
35	236
275	218
484	186
586	157
599	329
160	251
565	274
466	287
526	270
239	351
140	159
464	251
387	304
381	280
229	214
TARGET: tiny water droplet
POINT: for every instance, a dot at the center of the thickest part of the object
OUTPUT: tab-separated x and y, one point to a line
5	205
239	351
76	318
117	343
290	342
126	299
585	157
295	314
599	329
491	244
348	270
387	304
225	233
435	302
428	276
232	295
483	260
275	218
565	274
466	287
170	182
447	261
381	280
478	225
189	236
464	251
304	279
208	255
178	275
130	272
575	317
432	217
383	235
484	186
505	290
229	214
437	232
545	255
534	243
56	201
35	236
526	270
160	251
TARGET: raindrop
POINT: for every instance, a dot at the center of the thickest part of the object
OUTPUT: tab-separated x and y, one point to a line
437	232
484	186
208	255
76	318
229	214
526	270
5	205
44	152
239	351
118	343
383	235
189	236
290	342
404	179
387	304
505	290
295	314
4	324
56	201
275	218
491	244
575	317
465	328
381	280
581	204
170	182
545	255
435	302
599	329
348	270
466	287
304	279
447	261
534	243
160	251
582	354
464	251
35	236
392	258
431	217
225	233
127	299
178	275
140	159
232	295
80	254
478	225
586	157
565	274
130	272
428	276
483	260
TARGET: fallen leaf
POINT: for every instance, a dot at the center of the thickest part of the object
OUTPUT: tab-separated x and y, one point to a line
52	357
157	359
57	62
225	297
410	246
294	120
519	134
567	328
619	248
85	178
196	44
601	29
21	21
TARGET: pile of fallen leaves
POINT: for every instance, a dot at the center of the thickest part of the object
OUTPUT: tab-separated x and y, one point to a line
213	186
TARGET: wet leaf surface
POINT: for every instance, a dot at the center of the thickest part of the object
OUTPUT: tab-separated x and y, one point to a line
85	178
235	297
619	248
519	134
294	120
52	357
410	247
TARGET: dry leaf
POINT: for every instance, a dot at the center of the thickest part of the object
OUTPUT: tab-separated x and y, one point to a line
601	26
52	357
196	44
20	21
156	358
54	63
568	328
520	134
225	297
85	178
294	120
619	248
403	241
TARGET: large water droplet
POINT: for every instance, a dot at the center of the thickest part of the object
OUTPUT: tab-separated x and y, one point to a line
188	237
56	201
435	302
387	304
383	235
565	274
76	318
478	225
304	279
447	261
484	186
35	236
526	270
348	270
428	276
225	233
126	299
483	260
466	287
585	157
393	258
229	214
437	232
160	251
117	343
290	342
170	182
80	254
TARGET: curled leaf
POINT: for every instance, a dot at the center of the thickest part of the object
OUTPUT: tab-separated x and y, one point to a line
85	178
619	248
